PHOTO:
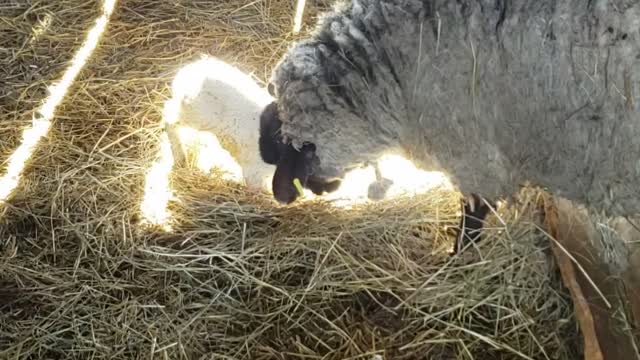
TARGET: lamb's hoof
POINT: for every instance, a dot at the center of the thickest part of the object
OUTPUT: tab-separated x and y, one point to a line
474	211
378	189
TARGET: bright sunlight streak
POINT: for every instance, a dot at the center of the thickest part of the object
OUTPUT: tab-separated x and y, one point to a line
42	121
157	190
297	20
406	179
354	188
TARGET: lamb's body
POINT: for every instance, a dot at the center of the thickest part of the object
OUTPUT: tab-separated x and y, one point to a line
214	97
546	91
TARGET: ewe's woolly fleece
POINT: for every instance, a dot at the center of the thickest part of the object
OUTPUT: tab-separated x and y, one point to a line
492	93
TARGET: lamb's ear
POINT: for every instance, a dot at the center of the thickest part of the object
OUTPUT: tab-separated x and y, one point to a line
269	142
282	185
293	165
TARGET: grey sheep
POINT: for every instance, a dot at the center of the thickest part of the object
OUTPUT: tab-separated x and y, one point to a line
492	93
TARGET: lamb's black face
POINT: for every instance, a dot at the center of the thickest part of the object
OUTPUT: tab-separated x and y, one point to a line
290	163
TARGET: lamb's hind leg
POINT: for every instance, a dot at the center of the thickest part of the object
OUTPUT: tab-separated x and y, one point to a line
474	211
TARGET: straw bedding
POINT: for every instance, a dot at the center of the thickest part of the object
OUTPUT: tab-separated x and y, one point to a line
237	277
30	58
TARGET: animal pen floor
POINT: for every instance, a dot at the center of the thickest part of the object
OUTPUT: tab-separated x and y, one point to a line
236	277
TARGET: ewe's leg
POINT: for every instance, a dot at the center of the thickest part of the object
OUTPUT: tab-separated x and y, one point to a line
474	211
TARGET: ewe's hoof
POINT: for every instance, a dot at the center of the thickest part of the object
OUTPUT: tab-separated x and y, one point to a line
474	211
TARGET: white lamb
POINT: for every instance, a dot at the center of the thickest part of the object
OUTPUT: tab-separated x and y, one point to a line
221	104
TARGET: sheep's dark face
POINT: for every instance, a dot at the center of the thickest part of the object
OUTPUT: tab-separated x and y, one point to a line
291	165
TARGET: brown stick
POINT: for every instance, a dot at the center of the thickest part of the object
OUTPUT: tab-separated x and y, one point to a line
592	349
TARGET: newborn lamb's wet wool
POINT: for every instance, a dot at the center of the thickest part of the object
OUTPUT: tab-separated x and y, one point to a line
493	93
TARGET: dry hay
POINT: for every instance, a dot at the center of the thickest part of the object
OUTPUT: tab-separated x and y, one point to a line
237	277
37	39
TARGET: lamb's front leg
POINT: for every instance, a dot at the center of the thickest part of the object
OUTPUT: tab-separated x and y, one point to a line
474	211
378	189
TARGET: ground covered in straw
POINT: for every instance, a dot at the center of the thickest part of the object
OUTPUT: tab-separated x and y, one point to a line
237	277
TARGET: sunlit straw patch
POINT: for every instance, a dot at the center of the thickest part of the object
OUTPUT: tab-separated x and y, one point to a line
354	188
208	153
406	178
157	190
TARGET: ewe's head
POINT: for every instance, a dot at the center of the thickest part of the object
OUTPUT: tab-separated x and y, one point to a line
320	113
294	168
